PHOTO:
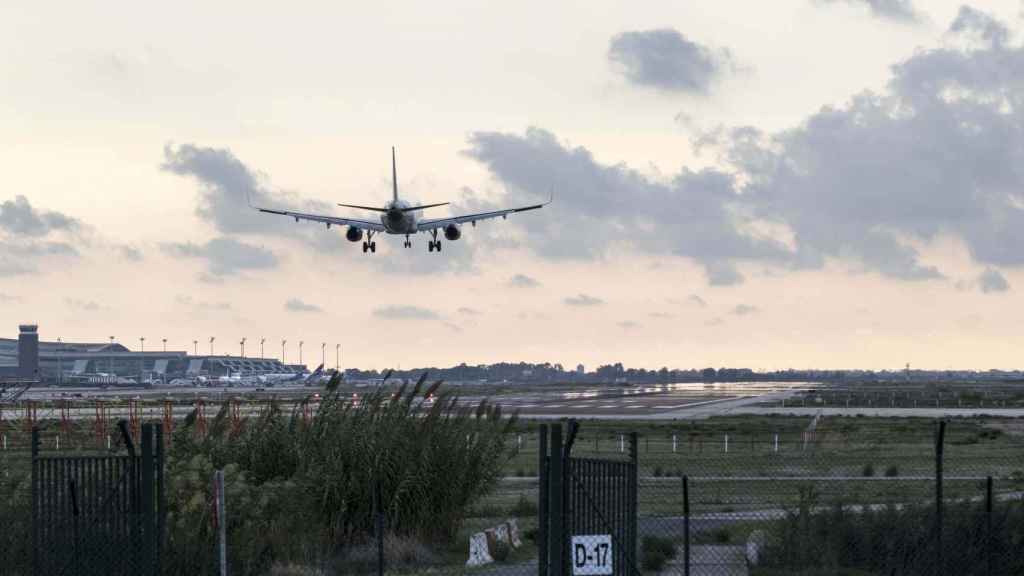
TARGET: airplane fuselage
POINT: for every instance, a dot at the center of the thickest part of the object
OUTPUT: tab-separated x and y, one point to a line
396	221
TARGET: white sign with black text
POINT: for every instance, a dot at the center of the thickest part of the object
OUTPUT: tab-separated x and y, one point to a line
591	555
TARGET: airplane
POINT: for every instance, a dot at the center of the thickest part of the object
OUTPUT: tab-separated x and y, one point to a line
400	218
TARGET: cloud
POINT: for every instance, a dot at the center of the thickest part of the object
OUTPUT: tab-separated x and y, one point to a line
226	185
583	300
745	310
692	215
200	305
972	23
405	313
9	298
296	305
661	315
84	305
130	253
666	60
627	325
18	217
714	322
897	10
992	280
225	256
695	299
523	281
466	311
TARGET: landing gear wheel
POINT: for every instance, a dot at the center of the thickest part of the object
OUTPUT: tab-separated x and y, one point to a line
438	245
366	247
430	246
373	247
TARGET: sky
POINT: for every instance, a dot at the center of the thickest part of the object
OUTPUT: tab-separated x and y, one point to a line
785	184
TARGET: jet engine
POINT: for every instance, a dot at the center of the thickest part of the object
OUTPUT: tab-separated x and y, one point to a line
452	232
354	234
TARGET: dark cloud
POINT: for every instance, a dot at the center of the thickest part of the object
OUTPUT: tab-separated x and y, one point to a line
992	280
666	60
466	311
605	206
583	300
84	305
225	256
18	217
296	305
980	26
523	281
226	184
405	313
898	10
744	310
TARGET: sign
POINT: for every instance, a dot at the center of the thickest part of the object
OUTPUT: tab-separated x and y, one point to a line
592	555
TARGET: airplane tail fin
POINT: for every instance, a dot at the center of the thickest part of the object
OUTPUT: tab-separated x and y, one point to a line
394	176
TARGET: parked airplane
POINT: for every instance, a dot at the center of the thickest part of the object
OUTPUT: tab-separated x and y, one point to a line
398	217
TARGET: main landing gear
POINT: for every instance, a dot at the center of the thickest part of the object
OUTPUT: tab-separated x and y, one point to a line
369	245
434	244
408	243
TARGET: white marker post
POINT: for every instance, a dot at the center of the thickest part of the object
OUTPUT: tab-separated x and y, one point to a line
222	545
776	443
726	443
622	443
673	443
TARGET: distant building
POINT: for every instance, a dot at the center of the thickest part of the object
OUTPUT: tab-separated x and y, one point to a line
71	362
580	370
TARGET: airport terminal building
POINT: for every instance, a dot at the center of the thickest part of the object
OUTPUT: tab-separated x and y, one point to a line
28	358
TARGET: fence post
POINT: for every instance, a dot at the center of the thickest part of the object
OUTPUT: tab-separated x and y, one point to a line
222	523
988	524
35	501
556	537
378	498
543	515
939	441
148	519
686	525
631	521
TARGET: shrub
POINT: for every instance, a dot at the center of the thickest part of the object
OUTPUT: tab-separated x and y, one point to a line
892	471
868	471
523	507
531	534
302	487
501	551
722	536
655	552
658	472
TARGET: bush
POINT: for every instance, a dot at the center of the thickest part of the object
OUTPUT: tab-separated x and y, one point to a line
892	471
501	551
523	507
722	536
868	471
301	487
655	552
658	472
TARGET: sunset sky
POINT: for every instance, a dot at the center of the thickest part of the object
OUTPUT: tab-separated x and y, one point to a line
794	183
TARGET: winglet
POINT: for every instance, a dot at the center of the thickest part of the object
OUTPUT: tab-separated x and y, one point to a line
394	176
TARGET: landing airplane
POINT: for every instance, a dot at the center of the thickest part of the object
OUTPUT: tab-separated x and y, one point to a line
398	217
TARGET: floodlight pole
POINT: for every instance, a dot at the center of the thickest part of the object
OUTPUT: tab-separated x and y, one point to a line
323	352
195	347
212	338
262	340
283	342
337	357
242	344
165	344
301	342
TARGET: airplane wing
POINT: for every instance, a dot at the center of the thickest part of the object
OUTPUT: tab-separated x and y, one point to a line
442	222
328	220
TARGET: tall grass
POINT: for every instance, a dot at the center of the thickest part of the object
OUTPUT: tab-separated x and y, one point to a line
302	489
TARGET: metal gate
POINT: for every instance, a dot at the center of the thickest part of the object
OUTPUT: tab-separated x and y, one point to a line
586	505
98	514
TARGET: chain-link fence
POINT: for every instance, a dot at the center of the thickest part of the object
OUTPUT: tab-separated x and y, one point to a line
844	496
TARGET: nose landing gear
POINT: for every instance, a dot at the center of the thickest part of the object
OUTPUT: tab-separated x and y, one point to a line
408	243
